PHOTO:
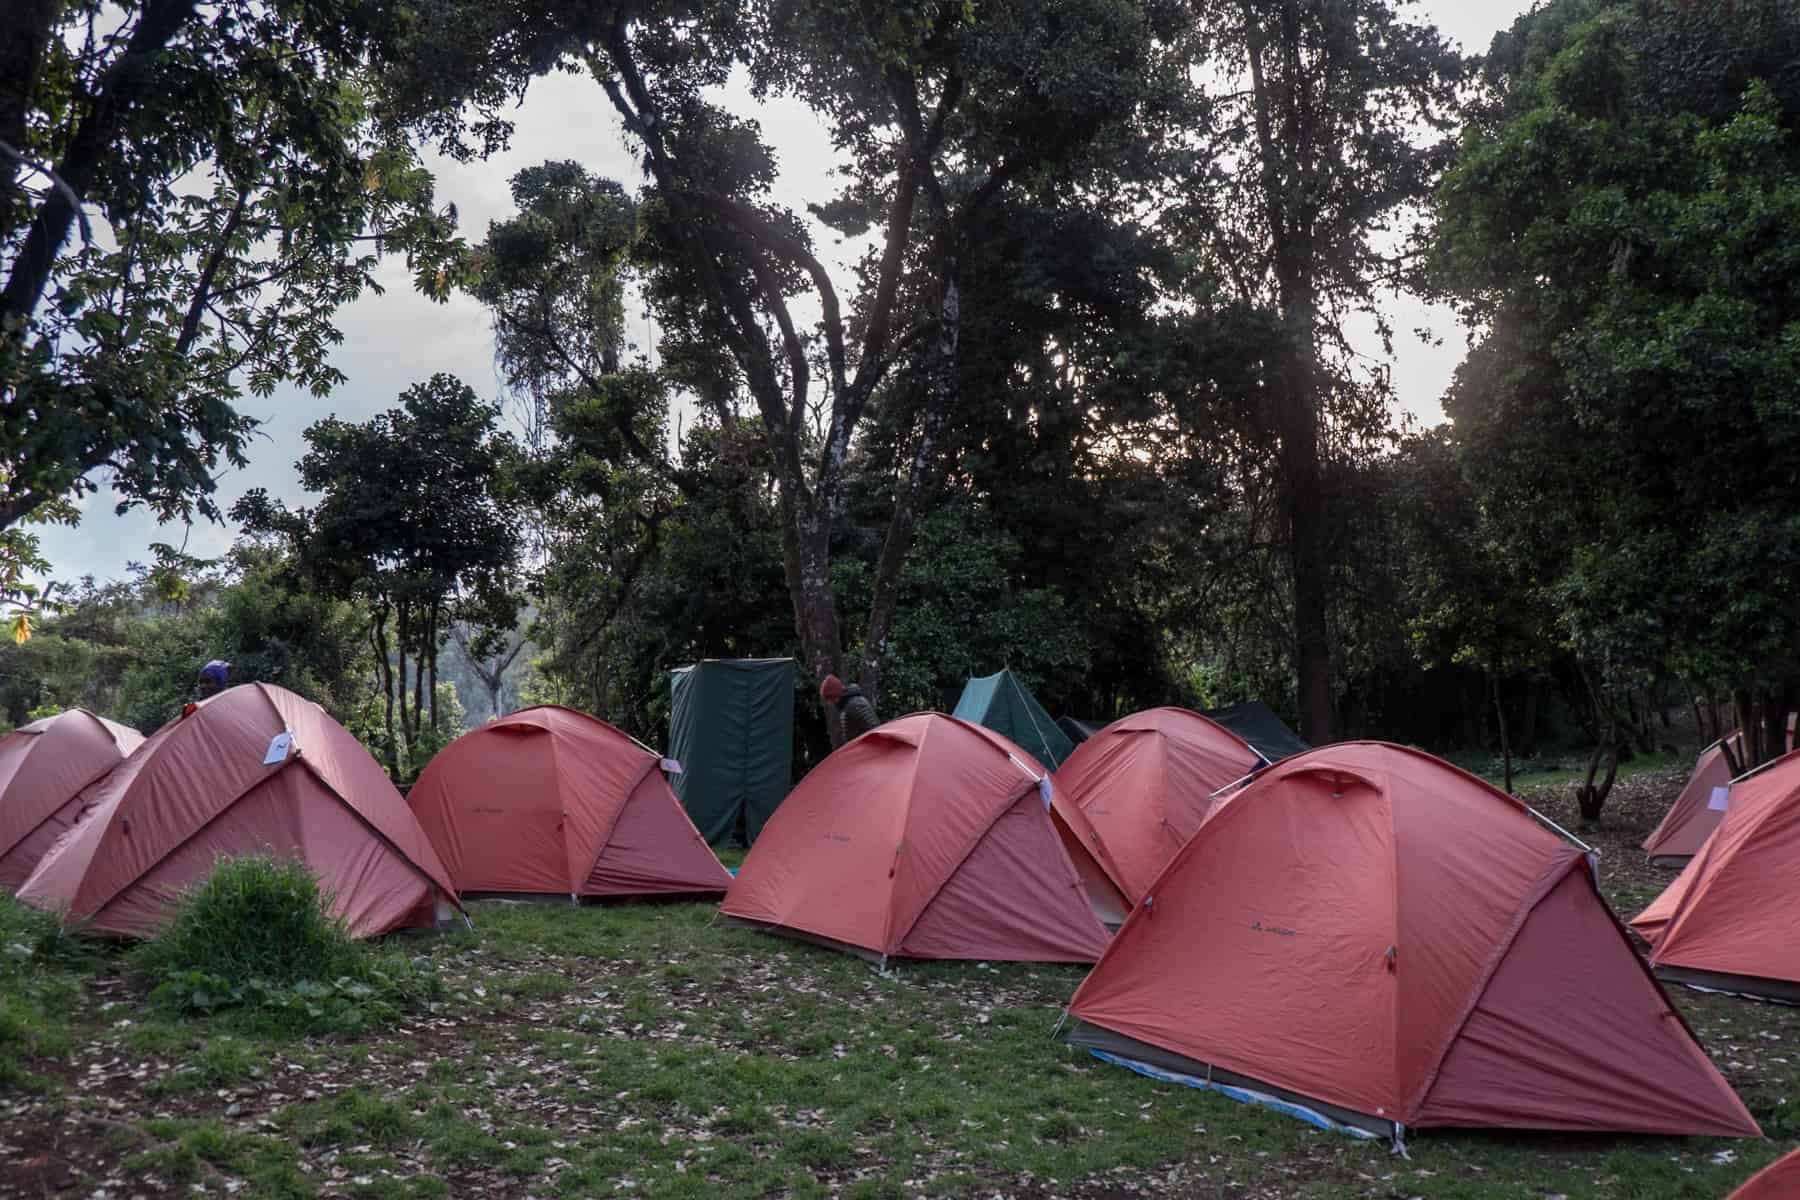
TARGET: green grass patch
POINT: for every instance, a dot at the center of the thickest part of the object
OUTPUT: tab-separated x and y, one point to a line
219	1061
646	1050
195	1153
1555	770
256	944
41	968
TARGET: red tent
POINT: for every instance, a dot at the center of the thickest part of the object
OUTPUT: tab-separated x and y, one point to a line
1378	940
1780	1180
43	768
550	800
1696	812
252	770
1135	792
1728	920
925	838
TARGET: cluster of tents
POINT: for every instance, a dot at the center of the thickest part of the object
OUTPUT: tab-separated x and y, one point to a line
1727	921
1359	934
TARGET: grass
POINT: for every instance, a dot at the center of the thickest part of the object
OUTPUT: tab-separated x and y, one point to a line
1553	769
256	942
41	968
645	1050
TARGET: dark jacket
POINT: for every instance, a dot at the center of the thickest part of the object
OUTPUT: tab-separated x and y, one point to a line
856	712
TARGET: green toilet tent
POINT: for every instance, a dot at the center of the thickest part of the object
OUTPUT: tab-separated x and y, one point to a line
731	727
1003	704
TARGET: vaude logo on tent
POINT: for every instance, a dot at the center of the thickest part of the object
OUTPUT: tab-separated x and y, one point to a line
1277	930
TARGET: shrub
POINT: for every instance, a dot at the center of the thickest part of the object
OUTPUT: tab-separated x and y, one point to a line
257	941
254	918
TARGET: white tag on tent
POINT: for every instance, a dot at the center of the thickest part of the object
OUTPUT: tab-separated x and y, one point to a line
279	745
1044	790
671	766
1721	796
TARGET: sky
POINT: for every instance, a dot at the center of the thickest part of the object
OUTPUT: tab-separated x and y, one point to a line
399	338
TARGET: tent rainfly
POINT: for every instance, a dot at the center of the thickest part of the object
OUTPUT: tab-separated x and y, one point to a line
44	767
549	800
1371	939
254	770
1258	725
1696	812
1727	921
925	838
731	727
1780	1180
1003	704
1135	792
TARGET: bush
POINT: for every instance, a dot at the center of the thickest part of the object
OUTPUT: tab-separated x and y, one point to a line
257	940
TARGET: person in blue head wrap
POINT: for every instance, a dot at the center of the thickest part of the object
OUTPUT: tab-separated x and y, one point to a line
214	677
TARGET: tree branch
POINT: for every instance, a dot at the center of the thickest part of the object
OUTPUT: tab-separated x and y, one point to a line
82	165
190	325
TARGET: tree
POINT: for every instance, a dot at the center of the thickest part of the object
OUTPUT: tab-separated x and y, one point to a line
1471	600
245	185
1641	311
255	610
1321	113
412	522
919	98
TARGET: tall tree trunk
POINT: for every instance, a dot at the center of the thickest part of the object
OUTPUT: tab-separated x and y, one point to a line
402	634
1591	799
921	480
1304	503
418	704
806	538
1743	712
431	653
1528	721
25	29
384	674
1500	723
1777	703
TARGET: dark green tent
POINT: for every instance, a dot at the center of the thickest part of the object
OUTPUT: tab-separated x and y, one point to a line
1003	704
1257	724
731	727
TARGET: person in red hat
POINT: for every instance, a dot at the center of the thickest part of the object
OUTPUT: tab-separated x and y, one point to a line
854	710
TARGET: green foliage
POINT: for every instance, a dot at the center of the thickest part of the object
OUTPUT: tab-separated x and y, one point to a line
257	939
253	918
963	612
40	967
416	523
242	176
1618	223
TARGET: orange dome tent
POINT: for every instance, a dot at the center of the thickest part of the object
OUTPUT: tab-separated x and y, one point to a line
1696	812
1135	792
1373	939
553	801
1780	1180
43	768
924	838
1728	920
252	770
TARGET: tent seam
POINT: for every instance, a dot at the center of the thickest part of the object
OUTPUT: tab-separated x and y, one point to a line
1541	889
